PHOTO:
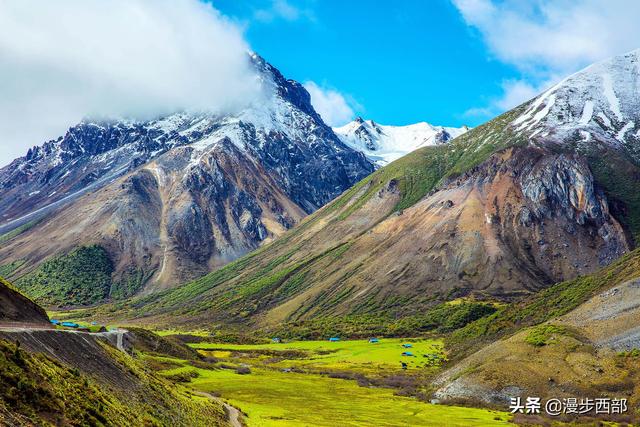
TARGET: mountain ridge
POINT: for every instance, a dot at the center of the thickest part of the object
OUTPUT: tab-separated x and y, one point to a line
212	187
500	212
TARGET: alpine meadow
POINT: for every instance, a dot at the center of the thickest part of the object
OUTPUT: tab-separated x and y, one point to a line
251	219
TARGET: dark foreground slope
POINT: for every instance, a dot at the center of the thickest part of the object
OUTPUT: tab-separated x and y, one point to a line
88	382
15	307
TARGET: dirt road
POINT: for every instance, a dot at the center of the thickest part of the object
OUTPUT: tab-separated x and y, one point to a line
234	416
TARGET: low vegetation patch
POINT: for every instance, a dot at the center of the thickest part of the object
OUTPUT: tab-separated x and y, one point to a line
442	318
632	354
183	376
540	335
80	277
7	270
17	231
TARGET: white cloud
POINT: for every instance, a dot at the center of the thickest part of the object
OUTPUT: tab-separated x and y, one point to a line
67	59
549	39
334	108
514	93
282	9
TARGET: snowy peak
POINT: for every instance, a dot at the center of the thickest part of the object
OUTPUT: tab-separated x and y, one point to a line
599	102
282	133
384	144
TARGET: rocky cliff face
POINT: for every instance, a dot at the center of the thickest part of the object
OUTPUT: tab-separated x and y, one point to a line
541	210
174	197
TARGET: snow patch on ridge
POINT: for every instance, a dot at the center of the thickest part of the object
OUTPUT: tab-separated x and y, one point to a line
614	102
384	144
587	113
626	128
601	100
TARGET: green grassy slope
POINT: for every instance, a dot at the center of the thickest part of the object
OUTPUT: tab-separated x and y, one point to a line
39	391
17	231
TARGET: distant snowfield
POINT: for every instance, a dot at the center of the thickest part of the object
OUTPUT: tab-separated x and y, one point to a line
383	144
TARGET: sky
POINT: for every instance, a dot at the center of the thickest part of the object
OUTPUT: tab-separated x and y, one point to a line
447	62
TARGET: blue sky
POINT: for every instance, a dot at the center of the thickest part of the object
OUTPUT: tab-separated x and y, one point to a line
446	62
396	64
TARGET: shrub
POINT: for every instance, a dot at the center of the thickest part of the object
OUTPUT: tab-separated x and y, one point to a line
540	335
243	370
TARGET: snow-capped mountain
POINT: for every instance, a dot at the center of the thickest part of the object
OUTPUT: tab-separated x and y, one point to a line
384	144
541	194
600	102
171	198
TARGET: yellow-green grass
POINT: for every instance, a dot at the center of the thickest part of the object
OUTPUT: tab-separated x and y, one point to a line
273	398
195	333
356	355
68	314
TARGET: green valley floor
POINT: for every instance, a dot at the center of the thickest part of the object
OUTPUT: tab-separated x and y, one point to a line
322	383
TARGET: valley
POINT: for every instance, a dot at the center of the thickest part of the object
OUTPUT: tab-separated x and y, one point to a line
263	268
315	383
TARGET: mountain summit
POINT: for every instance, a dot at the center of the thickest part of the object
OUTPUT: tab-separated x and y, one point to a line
600	102
171	198
384	144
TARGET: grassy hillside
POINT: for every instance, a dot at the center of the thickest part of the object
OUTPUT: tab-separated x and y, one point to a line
578	337
317	254
37	390
550	303
82	276
17	231
440	319
618	176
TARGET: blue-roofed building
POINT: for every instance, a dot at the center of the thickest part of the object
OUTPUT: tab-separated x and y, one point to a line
70	325
334	339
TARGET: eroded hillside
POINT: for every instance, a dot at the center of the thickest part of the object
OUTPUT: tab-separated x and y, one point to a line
536	196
